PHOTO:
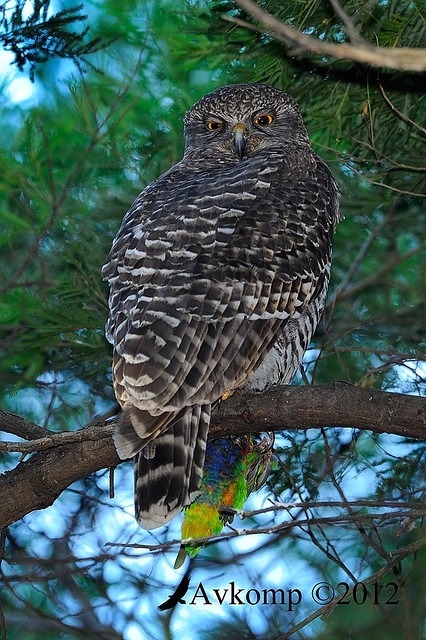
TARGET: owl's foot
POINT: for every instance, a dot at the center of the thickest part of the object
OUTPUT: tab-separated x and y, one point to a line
227	394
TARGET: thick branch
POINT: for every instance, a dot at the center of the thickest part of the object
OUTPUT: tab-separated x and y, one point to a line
36	483
67	457
401	58
333	405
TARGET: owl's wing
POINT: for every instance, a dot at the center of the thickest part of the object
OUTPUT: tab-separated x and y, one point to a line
205	272
201	285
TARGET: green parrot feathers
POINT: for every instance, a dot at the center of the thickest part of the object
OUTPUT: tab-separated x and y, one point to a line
234	467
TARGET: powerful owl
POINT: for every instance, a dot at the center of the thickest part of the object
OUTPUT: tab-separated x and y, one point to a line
218	277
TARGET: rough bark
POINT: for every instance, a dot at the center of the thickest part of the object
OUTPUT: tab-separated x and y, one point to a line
59	459
333	405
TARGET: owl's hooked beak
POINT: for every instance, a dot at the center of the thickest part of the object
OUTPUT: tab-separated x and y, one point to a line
239	141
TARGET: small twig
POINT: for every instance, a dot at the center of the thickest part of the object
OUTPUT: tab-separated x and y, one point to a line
341	287
368	540
42	439
58	439
281	528
11	423
325	610
351	30
398	112
332	504
371	280
383	185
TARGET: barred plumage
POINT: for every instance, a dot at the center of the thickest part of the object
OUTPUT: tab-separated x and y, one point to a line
216	259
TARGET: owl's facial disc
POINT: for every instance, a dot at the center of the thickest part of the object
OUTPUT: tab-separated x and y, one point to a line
239	139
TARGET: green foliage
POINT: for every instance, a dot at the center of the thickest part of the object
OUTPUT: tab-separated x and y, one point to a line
69	169
40	37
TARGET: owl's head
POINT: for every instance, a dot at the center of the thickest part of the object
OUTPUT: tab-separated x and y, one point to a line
240	119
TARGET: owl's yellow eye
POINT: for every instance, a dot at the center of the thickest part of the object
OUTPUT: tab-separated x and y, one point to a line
263	120
214	125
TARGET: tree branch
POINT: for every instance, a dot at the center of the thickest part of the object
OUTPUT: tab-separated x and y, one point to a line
36	483
63	458
332	405
350	27
401	58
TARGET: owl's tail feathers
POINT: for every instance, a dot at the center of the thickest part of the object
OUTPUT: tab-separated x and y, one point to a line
136	428
169	468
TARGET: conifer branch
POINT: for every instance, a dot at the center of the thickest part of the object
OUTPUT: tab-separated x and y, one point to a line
300	44
40	37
